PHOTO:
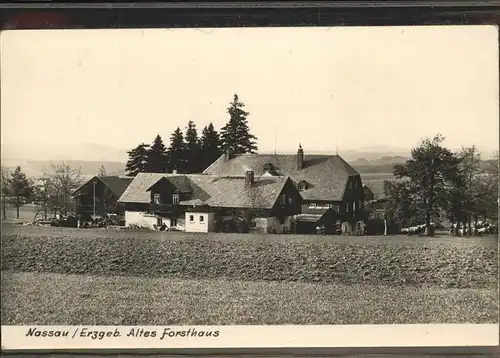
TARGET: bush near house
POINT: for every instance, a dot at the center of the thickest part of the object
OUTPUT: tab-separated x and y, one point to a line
253	257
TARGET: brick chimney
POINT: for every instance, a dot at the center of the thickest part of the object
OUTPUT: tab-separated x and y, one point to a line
300	158
249	176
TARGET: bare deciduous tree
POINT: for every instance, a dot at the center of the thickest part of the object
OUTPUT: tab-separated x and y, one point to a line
101	172
61	181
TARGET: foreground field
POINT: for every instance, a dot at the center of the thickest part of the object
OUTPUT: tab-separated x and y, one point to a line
446	240
95	300
253	258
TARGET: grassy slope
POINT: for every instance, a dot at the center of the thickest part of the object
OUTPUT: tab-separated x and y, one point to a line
88	300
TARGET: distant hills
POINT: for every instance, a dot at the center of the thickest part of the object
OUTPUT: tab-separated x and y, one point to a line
36	158
36	168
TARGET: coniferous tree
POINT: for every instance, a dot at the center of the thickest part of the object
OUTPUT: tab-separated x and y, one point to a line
157	156
210	146
138	160
193	149
235	135
20	189
176	152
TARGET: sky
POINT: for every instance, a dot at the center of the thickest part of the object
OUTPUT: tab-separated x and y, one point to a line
326	88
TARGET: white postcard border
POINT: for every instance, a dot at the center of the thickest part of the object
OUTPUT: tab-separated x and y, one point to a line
293	336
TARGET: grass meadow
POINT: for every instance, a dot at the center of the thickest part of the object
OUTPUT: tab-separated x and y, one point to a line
97	276
58	299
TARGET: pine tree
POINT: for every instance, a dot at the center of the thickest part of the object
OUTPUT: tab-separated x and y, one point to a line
20	189
193	149
138	160
157	156
176	153
235	134
210	146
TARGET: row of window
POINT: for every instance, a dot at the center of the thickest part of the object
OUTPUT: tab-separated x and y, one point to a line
201	220
284	199
326	206
175	199
351	185
336	207
157	199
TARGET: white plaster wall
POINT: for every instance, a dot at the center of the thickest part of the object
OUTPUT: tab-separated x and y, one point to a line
140	219
346	228
196	225
272	223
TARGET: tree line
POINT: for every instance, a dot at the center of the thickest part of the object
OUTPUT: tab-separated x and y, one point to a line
189	152
52	193
440	184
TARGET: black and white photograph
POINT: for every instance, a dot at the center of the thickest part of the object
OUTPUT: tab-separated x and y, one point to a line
250	176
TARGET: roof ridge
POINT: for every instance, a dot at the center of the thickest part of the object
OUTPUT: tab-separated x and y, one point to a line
214	163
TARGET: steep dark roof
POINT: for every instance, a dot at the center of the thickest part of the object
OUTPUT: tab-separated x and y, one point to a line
181	182
117	184
326	175
211	190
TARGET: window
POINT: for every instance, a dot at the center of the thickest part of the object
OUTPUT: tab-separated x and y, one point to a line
175	199
202	219
191	218
349	185
283	199
336	207
346	206
312	206
302	185
156	198
290	201
329	206
354	206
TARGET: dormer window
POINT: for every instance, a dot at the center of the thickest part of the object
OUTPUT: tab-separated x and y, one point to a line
271	169
302	185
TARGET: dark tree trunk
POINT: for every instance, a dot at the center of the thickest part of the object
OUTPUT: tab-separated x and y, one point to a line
464	225
17	211
469	223
429	228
